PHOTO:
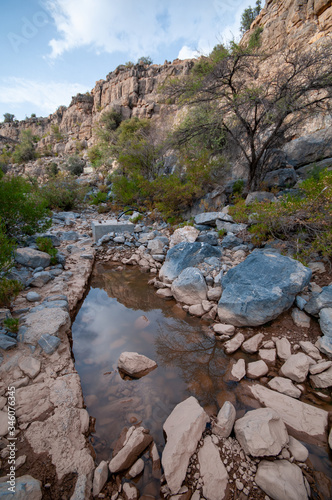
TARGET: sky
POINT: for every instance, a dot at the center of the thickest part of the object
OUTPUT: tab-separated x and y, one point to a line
53	49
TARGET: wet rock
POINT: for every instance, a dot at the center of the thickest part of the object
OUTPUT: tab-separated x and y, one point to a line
186	255
285	386
165	293
322	380
136	441
196	310
100	478
257	369
46	321
32	258
225	420
7	342
30	366
251	345
26	488
212	471
183	234
190	287
296	367
283	348
300	417
297	449
33	297
325	321
261	432
40	279
300	318
130	491
184	428
234	344
221	329
260	288
49	343
238	370
135	365
137	468
281	480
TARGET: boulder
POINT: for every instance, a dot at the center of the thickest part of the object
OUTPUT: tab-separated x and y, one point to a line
33	297
47	321
281	480
26	488
261	432
183	428
186	255
135	365
325	321
238	370
319	301
282	177
297	449
190	287
183	234
100	478
32	258
296	367
231	241
300	318
260	288
212	471
230	227
137	439
225	420
260	196
210	218
285	386
257	369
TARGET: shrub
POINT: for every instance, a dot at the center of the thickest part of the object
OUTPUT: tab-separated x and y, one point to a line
11	324
56	133
6	250
9	290
52	169
26	150
222	233
249	15
46	245
63	193
95	155
98	198
75	165
136	219
8	118
145	60
255	39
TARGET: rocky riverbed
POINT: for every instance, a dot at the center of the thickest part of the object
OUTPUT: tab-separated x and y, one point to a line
269	312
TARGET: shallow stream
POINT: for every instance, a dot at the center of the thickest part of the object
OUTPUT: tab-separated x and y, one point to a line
121	312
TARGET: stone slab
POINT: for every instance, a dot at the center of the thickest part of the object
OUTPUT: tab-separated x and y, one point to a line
100	228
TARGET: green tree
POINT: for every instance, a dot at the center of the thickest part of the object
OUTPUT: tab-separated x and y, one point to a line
249	15
145	60
8	118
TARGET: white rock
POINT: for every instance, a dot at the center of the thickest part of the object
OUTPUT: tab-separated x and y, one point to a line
225	420
184	428
212	470
100	477
130	491
322	380
285	386
165	293
136	441
135	365
221	329
261	432
283	348
310	349
187	233
136	468
320	367
281	480
30	366
251	345
268	355
238	370
233	344
296	367
196	310
297	449
214	293
300	318
257	369
190	287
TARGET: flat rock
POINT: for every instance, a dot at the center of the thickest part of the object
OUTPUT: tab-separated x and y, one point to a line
183	428
30	366
296	367
137	468
268	355
136	441
320	367
32	258
303	419
310	349
210	218
212	471
251	345
322	380
281	480
283	348
100	478
186	255
300	318
46	321
49	343
183	234
261	432
225	420
40	279
260	288
7	342
325	321
297	449
221	329
257	369
285	386
26	488
135	365
238	370
234	344
190	286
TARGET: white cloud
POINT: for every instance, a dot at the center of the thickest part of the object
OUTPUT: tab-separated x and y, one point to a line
46	96
141	28
187	53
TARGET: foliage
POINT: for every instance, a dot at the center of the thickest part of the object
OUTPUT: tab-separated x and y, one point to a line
26	150
9	290
98	198
248	16
56	133
8	118
304	221
136	219
6	250
238	186
255	39
46	245
145	60
22	208
75	165
108	123
11	324
33	115
129	64
222	233
95	155
63	193
52	169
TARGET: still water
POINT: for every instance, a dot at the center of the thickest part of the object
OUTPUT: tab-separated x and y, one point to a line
121	312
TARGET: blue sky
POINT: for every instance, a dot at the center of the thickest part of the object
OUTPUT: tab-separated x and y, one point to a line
53	49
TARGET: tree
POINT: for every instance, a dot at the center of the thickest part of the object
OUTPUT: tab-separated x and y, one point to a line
249	15
145	60
8	118
256	108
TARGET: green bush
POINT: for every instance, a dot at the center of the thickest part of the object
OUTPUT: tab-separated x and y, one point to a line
63	193
75	165
249	15
9	290
56	133
46	245
95	155
6	250
8	118
52	169
145	60
26	150
98	198
11	324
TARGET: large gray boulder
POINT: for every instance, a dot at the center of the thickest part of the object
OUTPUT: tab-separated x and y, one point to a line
186	255
282	177
325	321
32	258
190	287
260	288
281	480
319	301
210	218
